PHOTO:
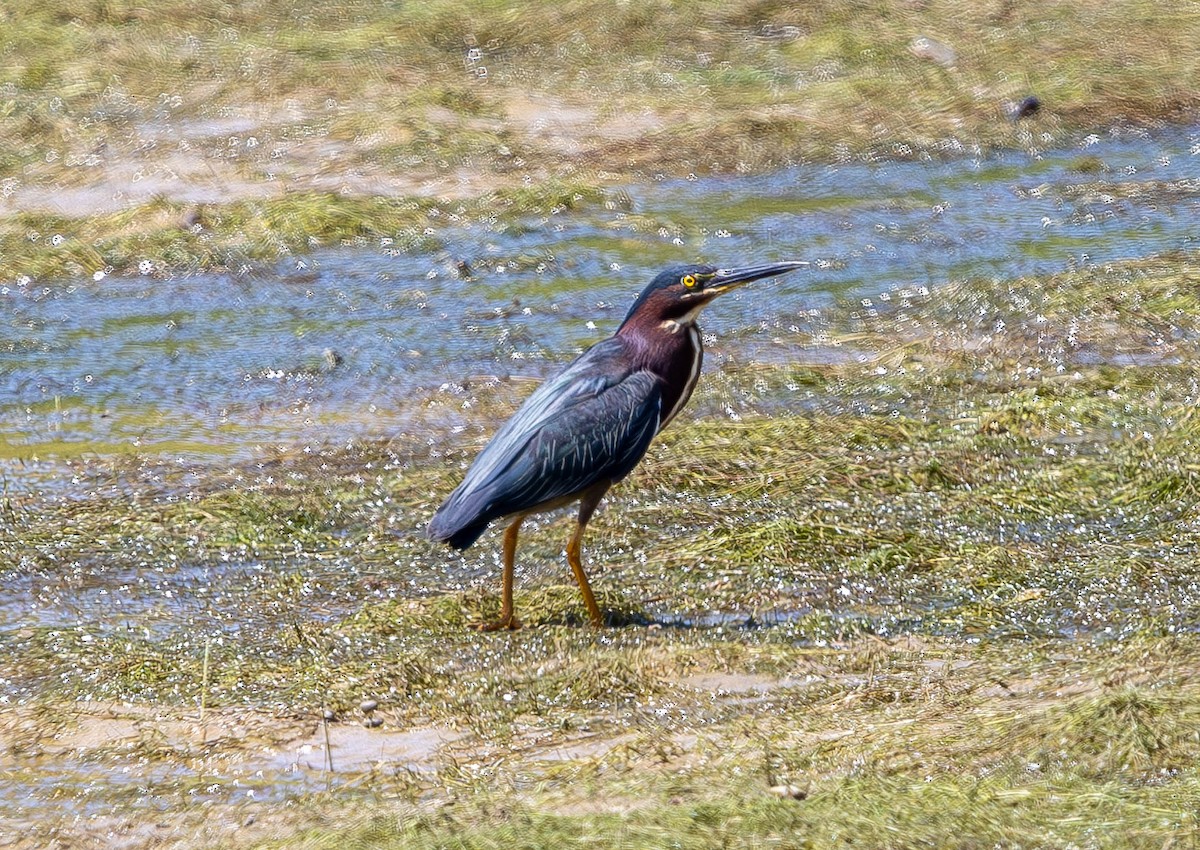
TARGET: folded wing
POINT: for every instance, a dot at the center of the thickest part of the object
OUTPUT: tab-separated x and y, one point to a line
591	423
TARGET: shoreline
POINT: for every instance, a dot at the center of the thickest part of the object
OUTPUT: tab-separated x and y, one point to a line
222	230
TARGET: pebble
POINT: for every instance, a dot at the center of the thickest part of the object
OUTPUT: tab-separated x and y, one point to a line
924	47
329	715
789	792
368	705
372	722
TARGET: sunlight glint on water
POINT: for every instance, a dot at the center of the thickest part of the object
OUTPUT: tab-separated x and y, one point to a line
337	345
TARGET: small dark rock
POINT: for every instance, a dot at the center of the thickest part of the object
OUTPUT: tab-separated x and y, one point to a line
372	722
1027	107
192	219
368	705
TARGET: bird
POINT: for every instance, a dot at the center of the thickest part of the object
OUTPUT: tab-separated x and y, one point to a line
586	428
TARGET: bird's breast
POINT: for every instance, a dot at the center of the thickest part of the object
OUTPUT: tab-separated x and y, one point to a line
678	367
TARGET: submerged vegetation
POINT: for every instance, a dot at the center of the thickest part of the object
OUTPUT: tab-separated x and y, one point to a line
939	592
244	233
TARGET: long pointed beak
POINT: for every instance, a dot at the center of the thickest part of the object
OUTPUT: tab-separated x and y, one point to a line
726	279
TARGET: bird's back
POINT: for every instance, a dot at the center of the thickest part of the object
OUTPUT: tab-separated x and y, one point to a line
592	422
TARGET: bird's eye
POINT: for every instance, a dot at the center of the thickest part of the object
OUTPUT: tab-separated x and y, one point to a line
688	280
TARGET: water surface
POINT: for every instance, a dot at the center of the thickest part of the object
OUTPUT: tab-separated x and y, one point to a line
337	344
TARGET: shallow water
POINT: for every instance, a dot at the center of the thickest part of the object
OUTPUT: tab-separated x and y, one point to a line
334	345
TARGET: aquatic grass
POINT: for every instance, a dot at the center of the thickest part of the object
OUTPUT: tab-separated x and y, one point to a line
560	604
905	811
1123	731
539	605
164	237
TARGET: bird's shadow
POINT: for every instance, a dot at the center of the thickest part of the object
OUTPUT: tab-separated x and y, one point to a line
616	618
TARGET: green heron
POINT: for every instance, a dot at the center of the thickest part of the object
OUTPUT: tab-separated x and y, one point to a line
586	428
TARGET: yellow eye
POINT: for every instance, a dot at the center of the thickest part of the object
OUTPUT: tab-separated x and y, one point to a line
688	281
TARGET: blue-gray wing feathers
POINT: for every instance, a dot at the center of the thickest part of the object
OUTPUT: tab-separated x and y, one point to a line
593	422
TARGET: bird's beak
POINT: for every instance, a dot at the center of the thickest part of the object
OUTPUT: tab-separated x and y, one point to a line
726	279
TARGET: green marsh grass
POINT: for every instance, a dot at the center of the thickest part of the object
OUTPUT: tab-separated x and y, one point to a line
93	94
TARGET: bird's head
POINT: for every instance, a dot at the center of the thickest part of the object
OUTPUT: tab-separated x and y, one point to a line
679	293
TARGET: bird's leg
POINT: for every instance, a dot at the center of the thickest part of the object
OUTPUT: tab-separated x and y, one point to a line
573	553
587	507
507	619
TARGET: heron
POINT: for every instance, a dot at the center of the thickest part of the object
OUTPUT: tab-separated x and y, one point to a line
586	428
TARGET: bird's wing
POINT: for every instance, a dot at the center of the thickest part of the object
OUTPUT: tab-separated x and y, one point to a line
591	422
598	437
592	374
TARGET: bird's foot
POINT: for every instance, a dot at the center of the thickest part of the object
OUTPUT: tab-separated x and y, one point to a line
509	623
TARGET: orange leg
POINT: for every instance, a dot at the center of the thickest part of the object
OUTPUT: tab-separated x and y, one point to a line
507	619
573	553
587	507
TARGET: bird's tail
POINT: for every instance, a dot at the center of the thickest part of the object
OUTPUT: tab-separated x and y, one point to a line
456	524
